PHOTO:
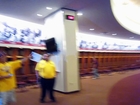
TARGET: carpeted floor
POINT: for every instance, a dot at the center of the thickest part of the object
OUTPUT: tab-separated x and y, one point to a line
126	91
117	89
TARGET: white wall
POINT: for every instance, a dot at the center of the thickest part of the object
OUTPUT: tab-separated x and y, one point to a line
8	24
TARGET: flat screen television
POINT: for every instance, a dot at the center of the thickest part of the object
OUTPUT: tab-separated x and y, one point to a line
51	45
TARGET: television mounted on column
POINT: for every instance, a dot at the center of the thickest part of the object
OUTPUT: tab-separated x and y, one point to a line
51	45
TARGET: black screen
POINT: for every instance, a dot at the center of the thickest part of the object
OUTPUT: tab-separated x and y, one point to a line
51	45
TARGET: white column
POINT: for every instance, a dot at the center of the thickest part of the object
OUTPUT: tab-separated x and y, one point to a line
66	61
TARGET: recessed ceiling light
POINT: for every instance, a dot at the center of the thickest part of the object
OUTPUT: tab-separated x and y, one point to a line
39	15
114	34
131	37
79	14
49	8
91	29
62	11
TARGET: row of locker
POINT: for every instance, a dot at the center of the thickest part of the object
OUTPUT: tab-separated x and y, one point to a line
108	61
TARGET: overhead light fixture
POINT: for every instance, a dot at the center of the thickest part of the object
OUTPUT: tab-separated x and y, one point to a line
79	14
114	34
131	37
91	29
62	11
129	20
39	15
49	8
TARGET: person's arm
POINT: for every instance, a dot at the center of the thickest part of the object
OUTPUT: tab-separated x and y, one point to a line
93	65
37	74
55	69
37	68
18	63
25	59
57	73
5	77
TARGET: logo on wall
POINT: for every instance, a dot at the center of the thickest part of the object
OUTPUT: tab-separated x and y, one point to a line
88	42
9	34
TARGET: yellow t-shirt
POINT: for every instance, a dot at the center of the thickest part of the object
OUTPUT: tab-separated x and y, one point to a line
5	69
46	69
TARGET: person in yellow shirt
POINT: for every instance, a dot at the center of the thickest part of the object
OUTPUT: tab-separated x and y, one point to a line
46	71
7	78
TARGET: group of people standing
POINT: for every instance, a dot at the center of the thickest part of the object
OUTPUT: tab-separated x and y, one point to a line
46	73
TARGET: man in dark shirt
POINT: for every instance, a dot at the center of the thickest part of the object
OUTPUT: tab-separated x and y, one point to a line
95	69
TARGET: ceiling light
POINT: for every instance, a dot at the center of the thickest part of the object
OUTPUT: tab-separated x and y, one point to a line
79	14
39	15
49	8
62	11
128	20
131	37
91	29
114	34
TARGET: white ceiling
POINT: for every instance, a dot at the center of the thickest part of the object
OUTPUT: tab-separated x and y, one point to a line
97	14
